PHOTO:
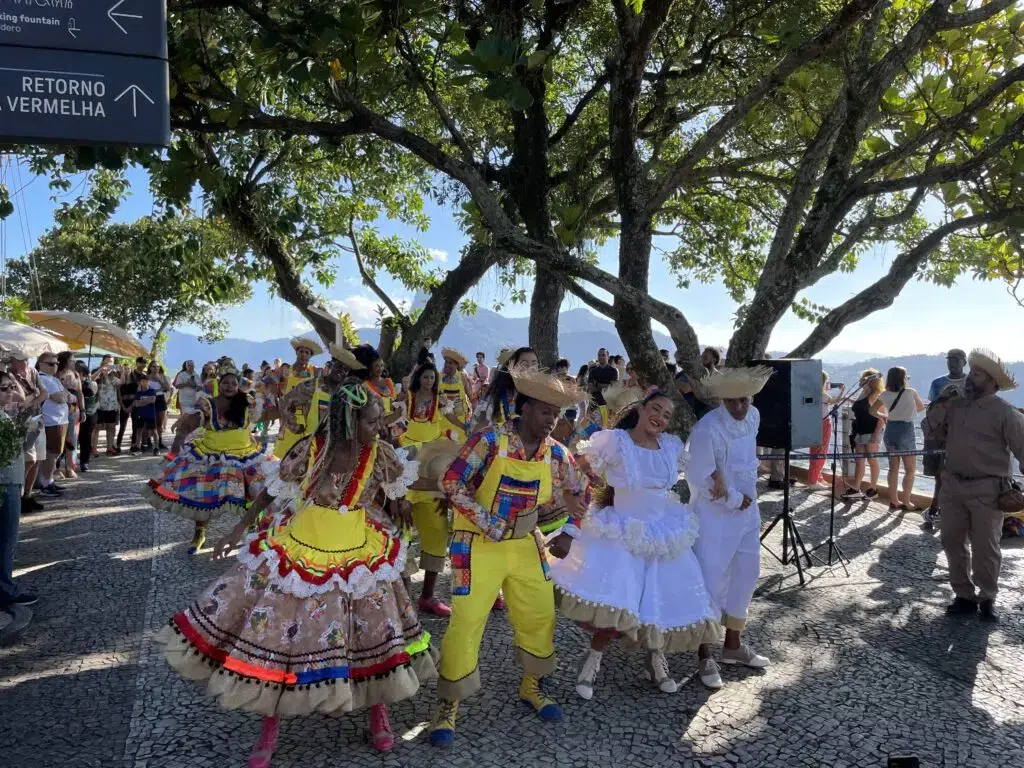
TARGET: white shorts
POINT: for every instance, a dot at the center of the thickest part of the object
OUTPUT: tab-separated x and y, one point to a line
37	449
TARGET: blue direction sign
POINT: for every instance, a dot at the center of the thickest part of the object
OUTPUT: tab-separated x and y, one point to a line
65	96
132	27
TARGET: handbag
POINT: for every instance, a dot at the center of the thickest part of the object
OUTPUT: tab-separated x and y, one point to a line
1011	498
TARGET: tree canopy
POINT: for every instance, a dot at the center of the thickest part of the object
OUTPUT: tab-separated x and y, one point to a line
770	144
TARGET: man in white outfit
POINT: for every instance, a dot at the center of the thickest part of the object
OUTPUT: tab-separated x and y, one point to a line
721	470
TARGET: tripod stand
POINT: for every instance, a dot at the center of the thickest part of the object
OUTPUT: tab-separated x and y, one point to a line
792	544
834	550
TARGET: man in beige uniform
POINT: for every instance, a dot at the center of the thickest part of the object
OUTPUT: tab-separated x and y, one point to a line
980	430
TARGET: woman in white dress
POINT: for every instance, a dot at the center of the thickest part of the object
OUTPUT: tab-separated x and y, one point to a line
628	568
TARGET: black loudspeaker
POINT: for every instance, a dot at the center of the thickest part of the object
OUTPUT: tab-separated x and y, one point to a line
790	405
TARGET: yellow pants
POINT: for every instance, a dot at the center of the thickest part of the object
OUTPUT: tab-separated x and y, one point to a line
512	566
432	526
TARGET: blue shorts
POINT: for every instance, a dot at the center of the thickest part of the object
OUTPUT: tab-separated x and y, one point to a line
899	436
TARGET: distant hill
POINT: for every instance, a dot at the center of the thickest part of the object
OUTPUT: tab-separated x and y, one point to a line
582	333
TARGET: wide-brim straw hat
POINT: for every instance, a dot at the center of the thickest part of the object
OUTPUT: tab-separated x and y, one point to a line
227	367
618	397
504	356
434	458
989	362
345	357
448	353
307	343
735	382
545	387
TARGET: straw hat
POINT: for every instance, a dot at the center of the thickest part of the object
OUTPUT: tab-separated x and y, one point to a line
546	388
435	458
227	368
307	343
448	353
505	355
988	362
618	397
345	357
736	382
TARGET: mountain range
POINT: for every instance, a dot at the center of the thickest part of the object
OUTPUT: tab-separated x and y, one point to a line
581	334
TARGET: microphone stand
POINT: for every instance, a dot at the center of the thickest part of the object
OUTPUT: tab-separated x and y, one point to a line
834	550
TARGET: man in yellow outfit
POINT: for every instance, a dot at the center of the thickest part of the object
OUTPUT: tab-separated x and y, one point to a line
496	485
454	388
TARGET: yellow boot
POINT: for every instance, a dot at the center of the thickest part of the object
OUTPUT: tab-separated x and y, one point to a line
530	692
198	539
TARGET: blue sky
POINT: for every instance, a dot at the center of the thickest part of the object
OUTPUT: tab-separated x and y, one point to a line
925	319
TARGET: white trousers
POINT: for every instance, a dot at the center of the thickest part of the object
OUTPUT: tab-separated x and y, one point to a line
729	551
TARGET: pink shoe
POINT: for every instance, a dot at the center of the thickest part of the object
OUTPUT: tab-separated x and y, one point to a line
264	749
499	604
380	728
435	607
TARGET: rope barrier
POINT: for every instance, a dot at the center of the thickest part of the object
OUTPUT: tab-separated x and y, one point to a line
865	455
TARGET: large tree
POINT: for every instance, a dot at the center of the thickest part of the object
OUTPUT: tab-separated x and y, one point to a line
774	141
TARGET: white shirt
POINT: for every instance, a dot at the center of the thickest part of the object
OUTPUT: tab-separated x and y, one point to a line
906	408
54	414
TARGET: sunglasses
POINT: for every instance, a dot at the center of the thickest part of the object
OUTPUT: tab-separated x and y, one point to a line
47	362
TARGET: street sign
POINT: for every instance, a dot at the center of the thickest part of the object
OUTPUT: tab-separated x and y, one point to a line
74	97
132	27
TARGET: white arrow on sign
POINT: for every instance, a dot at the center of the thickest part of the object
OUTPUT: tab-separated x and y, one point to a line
135	91
112	15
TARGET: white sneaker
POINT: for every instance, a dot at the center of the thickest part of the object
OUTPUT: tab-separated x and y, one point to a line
657	671
745	656
709	673
588	674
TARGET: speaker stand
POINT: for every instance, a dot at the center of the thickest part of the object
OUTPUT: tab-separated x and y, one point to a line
792	544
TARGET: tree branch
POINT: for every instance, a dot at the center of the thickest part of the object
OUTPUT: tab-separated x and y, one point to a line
372	284
590	299
577	111
882	293
803	54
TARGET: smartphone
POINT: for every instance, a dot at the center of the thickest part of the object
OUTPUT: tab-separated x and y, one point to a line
834	385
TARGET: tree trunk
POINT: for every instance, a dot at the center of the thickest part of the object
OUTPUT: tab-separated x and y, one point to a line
545	306
388	338
159	342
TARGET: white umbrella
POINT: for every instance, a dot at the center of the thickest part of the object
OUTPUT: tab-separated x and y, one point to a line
78	328
29	341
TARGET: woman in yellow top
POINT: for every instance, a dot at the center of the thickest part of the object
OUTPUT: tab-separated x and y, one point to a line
220	470
299	373
429	420
454	388
315	617
372	373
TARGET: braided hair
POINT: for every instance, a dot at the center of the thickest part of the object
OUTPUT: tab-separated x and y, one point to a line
504	385
341	422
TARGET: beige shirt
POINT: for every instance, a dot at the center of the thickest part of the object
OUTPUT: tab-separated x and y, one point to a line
980	436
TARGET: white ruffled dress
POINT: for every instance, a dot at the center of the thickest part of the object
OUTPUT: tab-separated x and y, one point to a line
631	569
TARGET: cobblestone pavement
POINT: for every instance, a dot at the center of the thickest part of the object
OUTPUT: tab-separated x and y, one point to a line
865	664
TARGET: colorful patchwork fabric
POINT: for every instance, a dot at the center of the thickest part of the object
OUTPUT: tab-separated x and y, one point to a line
201	478
460	553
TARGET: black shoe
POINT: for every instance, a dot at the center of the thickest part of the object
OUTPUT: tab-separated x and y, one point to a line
52	490
870	493
25	598
987	611
83	467
29	505
961	606
776	485
851	493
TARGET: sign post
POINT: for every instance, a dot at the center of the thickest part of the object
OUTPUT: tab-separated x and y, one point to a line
84	72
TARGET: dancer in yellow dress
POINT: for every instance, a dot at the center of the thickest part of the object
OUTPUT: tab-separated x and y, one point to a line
429	419
305	348
454	388
315	617
220	471
495	486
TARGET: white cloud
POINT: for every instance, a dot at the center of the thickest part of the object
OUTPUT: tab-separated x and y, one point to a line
301	326
363	309
438	255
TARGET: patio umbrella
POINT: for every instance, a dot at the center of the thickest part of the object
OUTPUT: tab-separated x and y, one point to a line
85	329
16	337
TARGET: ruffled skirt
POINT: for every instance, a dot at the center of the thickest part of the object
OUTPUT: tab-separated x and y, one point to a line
638	578
299	627
204	480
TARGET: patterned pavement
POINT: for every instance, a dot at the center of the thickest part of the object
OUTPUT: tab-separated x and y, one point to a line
865	664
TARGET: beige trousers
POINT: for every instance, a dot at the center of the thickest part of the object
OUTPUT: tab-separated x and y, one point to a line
971	526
